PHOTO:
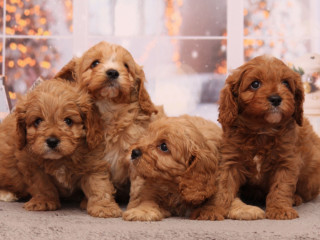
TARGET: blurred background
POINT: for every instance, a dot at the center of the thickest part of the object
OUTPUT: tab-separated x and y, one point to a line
187	47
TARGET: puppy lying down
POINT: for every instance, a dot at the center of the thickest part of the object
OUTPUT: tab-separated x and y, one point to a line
52	147
178	159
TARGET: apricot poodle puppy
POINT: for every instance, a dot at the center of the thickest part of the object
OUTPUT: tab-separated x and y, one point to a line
178	159
116	82
268	147
51	147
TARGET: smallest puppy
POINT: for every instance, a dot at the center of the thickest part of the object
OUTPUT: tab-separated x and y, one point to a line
51	148
178	159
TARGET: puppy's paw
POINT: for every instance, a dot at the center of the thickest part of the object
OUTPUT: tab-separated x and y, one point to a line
246	212
142	214
7	196
297	200
208	213
281	213
110	210
41	205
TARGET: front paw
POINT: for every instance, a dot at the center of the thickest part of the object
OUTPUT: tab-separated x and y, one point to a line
140	214
208	213
280	213
246	212
35	204
109	210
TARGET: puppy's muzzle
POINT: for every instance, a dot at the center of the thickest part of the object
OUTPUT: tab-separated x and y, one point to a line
275	100
52	142
112	74
136	153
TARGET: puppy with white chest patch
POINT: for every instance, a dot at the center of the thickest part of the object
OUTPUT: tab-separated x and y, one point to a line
52	147
269	150
116	83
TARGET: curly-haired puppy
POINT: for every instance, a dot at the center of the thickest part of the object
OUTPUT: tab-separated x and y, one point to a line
116	82
51	147
178	158
268	147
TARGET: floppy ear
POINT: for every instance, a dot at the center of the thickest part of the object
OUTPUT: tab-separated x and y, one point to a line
299	99
92	121
143	96
228	103
68	71
20	112
198	183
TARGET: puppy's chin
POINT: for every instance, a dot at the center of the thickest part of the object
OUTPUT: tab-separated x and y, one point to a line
109	92
52	155
273	117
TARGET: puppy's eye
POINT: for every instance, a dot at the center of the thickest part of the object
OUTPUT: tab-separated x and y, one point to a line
163	147
94	63
255	85
37	122
126	65
68	121
286	83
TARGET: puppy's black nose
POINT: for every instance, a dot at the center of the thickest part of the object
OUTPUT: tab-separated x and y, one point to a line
112	74
52	142
275	100
135	153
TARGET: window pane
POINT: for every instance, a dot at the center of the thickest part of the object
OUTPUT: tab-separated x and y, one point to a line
281	28
1	16
27	59
39	17
157	17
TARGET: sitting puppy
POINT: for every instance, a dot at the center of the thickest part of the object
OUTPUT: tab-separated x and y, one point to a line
116	83
178	158
51	146
268	146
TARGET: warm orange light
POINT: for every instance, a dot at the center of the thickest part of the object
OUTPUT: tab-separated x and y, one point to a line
40	31
43	20
22	48
46	33
11	9
45	64
13	46
8	18
22	22
12	95
10	31
27	12
11	64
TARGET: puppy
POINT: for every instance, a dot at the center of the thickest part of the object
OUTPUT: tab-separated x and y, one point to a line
268	146
178	158
116	83
51	147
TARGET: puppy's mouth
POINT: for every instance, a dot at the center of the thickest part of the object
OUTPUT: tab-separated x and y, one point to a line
52	154
111	89
274	115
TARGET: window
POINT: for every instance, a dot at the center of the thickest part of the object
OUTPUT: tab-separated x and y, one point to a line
185	46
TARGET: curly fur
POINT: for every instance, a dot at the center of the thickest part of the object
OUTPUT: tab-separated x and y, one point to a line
123	102
182	178
268	149
30	167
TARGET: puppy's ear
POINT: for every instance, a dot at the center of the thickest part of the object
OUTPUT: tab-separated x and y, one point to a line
198	183
143	96
20	112
228	104
92	121
68	71
299	99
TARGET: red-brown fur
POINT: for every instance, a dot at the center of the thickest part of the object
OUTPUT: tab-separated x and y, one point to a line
124	104
29	167
270	148
183	177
